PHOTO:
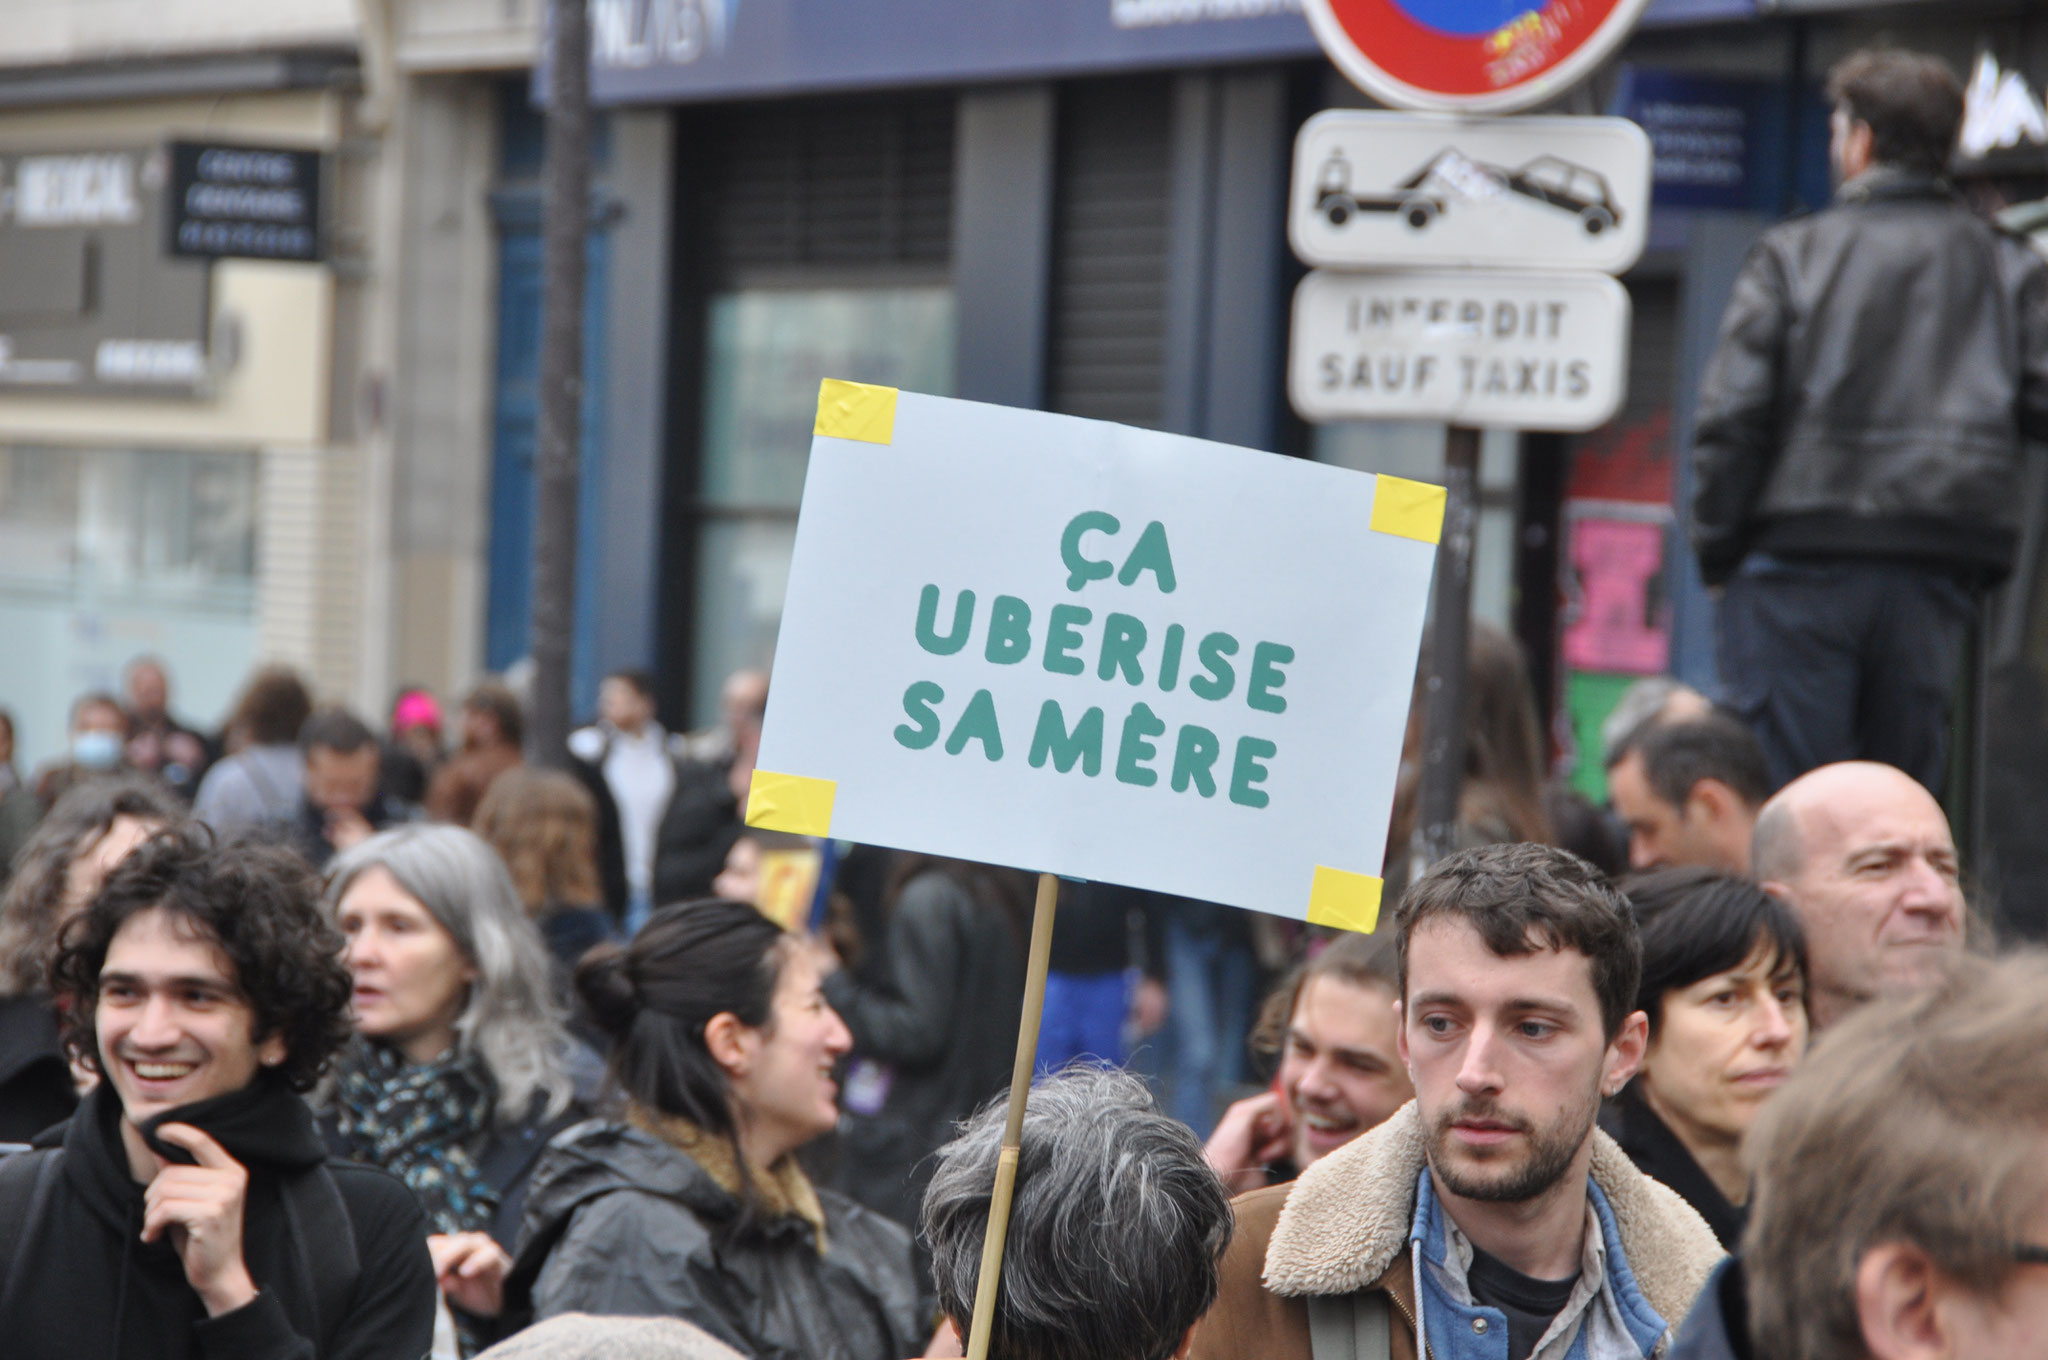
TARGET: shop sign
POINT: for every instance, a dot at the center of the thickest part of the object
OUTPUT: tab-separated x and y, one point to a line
645	51
1103	652
249	202
1523	351
1384	190
1470	56
89	301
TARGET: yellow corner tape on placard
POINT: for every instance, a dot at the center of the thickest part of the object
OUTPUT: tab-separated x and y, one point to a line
1409	509
1344	900
851	410
790	802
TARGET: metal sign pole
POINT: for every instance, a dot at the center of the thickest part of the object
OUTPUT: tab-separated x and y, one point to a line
1443	746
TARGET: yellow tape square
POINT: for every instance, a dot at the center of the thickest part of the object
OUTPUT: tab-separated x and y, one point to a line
851	410
790	802
1344	900
1409	509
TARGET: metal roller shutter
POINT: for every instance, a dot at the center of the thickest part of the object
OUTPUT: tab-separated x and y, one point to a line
1108	324
838	182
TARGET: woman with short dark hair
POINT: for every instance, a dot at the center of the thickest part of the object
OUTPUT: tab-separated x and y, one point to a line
723	1046
1724	987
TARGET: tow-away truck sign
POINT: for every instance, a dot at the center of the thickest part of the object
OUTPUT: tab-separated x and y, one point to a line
1386	190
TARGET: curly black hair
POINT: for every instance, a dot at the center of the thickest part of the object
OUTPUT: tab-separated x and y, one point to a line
259	904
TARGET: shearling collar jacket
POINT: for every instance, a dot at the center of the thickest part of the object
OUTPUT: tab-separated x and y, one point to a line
1346	1225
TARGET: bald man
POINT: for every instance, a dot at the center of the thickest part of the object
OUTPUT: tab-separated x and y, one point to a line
1863	853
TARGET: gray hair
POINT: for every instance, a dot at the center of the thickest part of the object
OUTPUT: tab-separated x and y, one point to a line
512	1021
1116	1229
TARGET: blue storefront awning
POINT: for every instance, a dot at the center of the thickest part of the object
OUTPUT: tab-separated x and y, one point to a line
667	51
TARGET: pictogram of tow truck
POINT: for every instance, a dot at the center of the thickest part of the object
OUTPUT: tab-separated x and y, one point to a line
1450	175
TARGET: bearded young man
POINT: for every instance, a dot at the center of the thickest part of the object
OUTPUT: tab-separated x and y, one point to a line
1489	1219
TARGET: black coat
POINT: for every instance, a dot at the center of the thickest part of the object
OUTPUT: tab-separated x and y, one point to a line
619	1222
934	1016
35	1081
1658	1154
80	1285
699	827
1878	366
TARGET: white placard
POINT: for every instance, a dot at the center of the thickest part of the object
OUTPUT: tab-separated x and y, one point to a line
1183	666
1524	351
1380	190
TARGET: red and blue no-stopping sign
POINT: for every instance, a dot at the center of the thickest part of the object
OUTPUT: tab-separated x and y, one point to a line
1478	56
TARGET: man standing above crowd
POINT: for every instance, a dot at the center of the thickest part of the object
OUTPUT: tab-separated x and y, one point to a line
1861	430
1689	793
190	1209
1489	1219
1863	854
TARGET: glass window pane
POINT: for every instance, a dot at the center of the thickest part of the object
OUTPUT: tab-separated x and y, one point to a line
743	574
768	350
106	554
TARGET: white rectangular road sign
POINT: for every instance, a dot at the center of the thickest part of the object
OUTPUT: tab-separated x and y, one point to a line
1389	190
1097	651
1527	351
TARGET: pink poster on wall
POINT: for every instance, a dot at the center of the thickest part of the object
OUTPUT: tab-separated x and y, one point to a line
1618	615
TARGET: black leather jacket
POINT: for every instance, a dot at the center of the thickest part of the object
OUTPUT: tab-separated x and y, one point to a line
1878	367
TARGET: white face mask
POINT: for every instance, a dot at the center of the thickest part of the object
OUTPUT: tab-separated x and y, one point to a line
96	750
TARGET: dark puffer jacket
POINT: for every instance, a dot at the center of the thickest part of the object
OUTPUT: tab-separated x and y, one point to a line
619	1222
1878	365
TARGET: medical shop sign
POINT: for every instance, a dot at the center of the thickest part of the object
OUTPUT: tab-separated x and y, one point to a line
1475	56
1108	653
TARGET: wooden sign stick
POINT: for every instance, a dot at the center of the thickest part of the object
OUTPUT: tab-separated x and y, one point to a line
1013	1129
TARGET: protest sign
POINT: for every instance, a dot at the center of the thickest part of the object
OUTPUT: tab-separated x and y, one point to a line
1096	651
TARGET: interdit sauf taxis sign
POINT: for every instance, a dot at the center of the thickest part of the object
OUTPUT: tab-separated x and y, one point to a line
1097	651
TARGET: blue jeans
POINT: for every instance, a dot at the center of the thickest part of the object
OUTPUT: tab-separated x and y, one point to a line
1844	659
1211	978
1084	1018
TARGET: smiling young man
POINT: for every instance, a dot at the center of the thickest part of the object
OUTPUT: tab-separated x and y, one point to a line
189	1209
1332	1024
1489	1219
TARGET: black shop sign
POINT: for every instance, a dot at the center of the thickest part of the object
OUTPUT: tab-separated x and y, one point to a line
248	202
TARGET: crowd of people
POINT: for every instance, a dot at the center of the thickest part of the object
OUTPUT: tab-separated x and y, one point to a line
301	1067
319	1041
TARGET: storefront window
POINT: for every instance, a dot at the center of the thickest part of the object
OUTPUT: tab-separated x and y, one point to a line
768	349
109	554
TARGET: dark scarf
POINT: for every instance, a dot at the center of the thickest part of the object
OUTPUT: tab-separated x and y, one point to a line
426	1123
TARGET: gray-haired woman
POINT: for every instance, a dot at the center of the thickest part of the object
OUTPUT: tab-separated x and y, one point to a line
461	1068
